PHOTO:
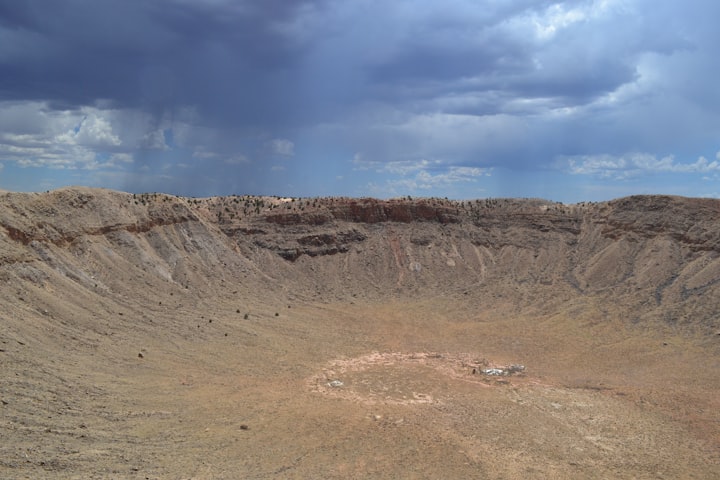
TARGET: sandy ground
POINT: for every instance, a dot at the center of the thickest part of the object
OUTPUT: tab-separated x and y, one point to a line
257	403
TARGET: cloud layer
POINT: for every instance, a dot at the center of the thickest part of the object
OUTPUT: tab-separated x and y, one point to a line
573	100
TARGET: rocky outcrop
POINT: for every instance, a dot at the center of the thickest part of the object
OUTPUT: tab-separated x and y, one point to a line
692	222
372	211
293	247
62	216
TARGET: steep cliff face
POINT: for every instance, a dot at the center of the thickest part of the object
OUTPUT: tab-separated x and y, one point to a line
656	255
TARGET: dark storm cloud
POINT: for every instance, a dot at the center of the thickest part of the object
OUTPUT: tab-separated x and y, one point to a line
258	63
217	56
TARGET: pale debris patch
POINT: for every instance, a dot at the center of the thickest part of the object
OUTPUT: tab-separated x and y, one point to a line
336	379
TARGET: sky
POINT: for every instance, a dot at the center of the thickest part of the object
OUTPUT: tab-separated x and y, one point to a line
564	100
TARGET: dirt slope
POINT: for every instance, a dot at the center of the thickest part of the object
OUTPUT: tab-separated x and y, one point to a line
152	336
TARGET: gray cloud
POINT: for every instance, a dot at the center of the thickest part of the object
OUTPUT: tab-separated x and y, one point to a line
221	89
247	62
149	55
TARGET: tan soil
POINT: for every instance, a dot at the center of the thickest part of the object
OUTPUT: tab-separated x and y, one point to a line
126	352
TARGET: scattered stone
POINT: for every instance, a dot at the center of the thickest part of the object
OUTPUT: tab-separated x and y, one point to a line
501	372
244	427
140	355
